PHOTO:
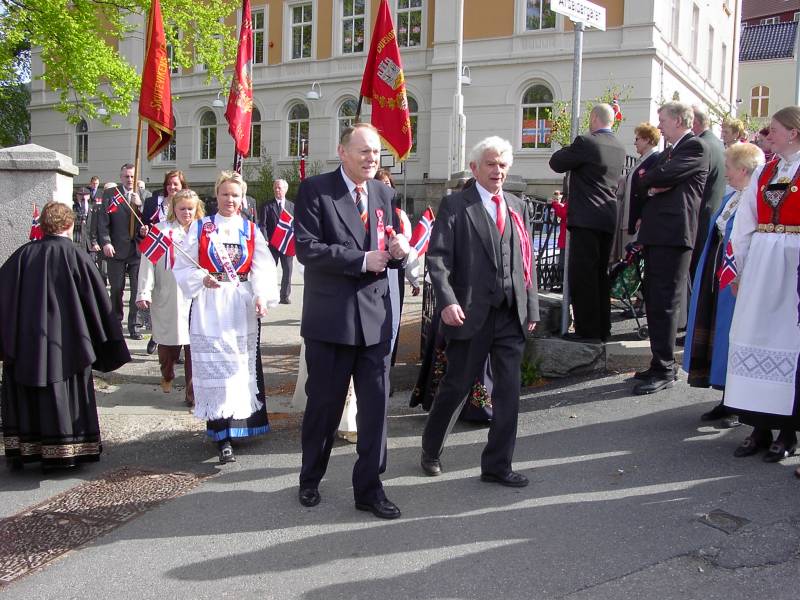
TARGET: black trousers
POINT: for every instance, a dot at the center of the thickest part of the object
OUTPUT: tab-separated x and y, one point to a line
117	269
666	271
330	367
286	269
501	339
589	288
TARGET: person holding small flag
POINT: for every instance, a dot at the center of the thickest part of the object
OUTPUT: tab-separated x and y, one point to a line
705	355
761	383
224	267
159	291
274	213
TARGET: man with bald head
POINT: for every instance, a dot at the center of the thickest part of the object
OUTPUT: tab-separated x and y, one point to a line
268	222
594	163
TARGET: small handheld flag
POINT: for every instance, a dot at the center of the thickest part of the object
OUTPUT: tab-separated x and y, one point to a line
282	238
155	244
116	201
727	272
36	229
422	232
616	108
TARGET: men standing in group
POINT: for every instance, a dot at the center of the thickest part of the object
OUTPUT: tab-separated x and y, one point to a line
83	209
715	182
482	268
595	164
94	187
117	233
342	239
674	189
270	215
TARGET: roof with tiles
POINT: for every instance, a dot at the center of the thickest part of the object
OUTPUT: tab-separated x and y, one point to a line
768	42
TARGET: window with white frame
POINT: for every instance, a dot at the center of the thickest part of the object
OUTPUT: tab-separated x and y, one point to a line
258	19
170	152
710	61
413	110
770	21
693	34
346	116
82	142
208	136
302	28
353	20
676	22
409	23
298	128
255	134
537	115
796	16
538	15
759	101
723	72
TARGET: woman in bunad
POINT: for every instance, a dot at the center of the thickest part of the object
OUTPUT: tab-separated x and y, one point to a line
762	382
231	285
159	292
705	357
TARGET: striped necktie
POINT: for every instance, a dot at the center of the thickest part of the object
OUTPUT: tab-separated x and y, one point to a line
361	205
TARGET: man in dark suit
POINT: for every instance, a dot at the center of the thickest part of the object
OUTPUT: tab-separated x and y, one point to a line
82	208
674	187
118	235
714	189
486	287
94	188
594	163
342	239
268	221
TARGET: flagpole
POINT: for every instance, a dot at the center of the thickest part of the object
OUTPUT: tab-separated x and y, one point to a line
138	158
358	108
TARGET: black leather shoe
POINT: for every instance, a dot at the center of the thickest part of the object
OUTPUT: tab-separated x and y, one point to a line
730	422
151	346
718	412
648	373
751	445
135	335
653	385
510	479
309	496
431	466
285	301
778	451
226	453
383	509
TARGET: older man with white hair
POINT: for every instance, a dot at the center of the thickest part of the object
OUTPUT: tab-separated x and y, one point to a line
482	267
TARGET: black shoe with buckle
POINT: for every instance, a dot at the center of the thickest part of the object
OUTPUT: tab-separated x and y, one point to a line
226	453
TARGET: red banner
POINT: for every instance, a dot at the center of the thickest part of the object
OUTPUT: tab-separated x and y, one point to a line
240	101
384	86
155	99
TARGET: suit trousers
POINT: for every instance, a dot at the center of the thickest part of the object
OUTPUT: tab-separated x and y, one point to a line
501	339
286	270
117	269
589	287
666	271
330	367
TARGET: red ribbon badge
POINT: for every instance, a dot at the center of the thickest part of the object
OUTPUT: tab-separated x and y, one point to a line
208	227
381	228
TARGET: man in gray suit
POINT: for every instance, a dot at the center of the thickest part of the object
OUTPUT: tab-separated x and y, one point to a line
118	235
483	273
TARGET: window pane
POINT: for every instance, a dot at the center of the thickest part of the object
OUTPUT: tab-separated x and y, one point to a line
358	42
348	108
297	43
212	154
306	41
347	36
208	118
297	14
412	104
347	8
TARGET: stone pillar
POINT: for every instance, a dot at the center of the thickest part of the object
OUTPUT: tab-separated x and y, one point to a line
29	175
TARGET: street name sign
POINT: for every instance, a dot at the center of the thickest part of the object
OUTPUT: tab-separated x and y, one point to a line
581	11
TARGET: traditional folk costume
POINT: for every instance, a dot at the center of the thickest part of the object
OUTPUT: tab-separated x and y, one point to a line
169	308
762	381
224	330
57	324
705	357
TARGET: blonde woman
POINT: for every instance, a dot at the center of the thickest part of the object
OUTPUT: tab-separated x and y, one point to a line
231	289
159	292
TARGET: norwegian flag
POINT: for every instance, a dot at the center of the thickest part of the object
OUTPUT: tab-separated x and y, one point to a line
616	108
727	272
422	232
36	229
155	244
116	201
282	238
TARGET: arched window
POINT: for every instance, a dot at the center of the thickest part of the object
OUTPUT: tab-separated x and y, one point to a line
82	143
169	153
347	116
537	115
208	136
413	109
298	128
255	134
759	101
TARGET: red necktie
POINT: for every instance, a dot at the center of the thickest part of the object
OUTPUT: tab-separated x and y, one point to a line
361	206
501	216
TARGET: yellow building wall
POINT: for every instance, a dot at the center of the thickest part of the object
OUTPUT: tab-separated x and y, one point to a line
275	41
488	19
324	28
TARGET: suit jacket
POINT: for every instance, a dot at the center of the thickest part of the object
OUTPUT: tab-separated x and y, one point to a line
342	305
150	208
714	189
463	266
84	224
595	164
114	228
638	196
270	214
670	218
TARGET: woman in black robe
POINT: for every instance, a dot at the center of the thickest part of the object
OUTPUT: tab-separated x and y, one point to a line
56	325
